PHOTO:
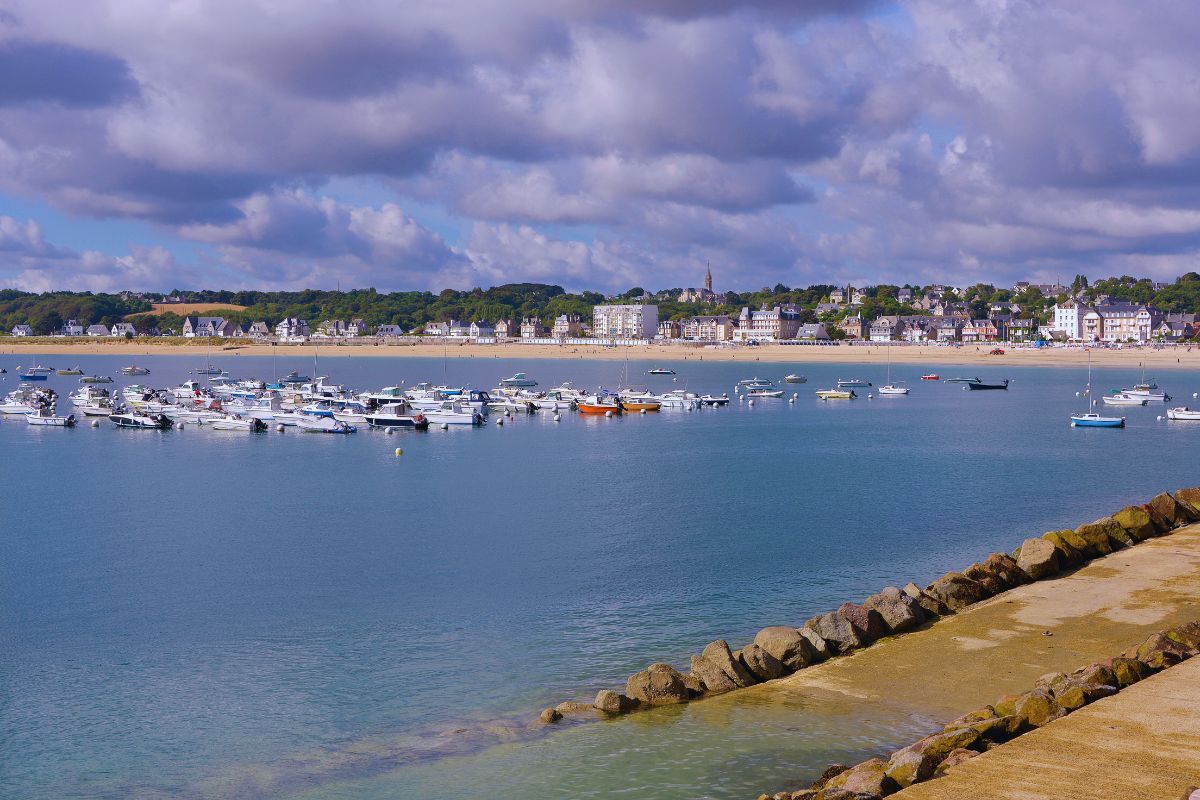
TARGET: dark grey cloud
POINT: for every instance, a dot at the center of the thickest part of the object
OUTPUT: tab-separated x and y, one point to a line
52	72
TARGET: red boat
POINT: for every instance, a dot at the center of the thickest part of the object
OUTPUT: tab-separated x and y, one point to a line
933	376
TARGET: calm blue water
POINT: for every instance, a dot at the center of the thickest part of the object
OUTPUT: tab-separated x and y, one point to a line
213	614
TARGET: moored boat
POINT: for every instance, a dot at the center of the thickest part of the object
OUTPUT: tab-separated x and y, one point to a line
637	403
931	376
793	378
233	422
981	386
836	394
1093	420
852	383
134	370
660	371
891	390
453	412
1122	399
714	400
389	419
753	393
963	380
71	371
1183	413
132	419
518	379
313	424
599	404
95	379
46	416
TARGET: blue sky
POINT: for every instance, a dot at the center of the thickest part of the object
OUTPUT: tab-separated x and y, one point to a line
593	144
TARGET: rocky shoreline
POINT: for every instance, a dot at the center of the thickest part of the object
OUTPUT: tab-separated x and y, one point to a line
779	651
1053	696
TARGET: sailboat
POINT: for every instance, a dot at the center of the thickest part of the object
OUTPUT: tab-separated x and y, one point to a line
891	389
1147	390
1090	419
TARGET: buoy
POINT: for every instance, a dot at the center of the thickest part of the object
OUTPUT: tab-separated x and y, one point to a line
795	395
870	396
179	426
1194	395
1160	417
1077	394
280	427
500	421
557	417
751	404
399	451
607	413
675	379
95	423
643	411
390	430
445	426
792	401
741	399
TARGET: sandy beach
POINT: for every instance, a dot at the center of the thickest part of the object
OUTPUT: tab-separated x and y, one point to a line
1169	357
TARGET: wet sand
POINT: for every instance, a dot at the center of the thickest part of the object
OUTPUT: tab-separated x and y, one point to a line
972	356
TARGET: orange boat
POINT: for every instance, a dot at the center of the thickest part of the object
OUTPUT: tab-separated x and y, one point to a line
933	376
636	404
599	405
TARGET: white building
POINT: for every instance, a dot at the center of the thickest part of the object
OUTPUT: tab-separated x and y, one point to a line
291	328
1068	318
72	328
357	327
388	331
22	330
567	326
1120	322
716	328
123	329
97	330
482	329
768	324
632	321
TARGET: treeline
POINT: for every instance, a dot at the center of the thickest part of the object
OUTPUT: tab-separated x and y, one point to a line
47	312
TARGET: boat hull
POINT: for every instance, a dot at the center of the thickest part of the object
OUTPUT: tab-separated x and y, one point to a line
640	405
831	394
598	408
54	422
33	377
984	387
1183	414
417	422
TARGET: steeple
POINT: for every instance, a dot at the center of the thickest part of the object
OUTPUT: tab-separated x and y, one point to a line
708	278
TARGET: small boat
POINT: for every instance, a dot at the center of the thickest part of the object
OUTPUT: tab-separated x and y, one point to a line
600	404
1182	413
46	416
311	424
134	370
981	386
890	389
209	370
14	406
963	380
72	371
391	419
852	383
510	405
637	403
680	400
932	376
1096	421
518	379
198	416
753	393
233	422
754	383
660	371
454	412
1122	399
38	370
131	419
294	377
794	379
714	400
95	379
1148	392
553	401
836	394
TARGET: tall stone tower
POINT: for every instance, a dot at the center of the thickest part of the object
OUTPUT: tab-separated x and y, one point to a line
708	279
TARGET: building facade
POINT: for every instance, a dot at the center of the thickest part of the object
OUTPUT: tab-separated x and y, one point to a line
629	321
567	326
768	324
718	328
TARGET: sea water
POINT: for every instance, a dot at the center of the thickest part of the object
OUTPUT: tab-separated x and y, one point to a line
216	614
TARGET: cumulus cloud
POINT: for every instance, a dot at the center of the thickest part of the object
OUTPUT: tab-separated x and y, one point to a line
616	141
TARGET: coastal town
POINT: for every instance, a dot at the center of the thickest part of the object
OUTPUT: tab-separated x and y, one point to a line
1025	313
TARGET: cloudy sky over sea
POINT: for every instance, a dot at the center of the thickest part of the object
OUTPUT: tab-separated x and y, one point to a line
598	144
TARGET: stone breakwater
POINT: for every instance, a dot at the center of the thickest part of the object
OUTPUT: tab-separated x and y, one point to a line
1053	696
781	650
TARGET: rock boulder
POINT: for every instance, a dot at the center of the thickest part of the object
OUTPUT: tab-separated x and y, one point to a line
1189	498
760	663
835	629
957	591
868	778
657	685
1039	559
955	758
907	766
1098	536
939	745
928	603
987	577
613	703
869	623
1136	522
788	646
898	611
821	647
1070	554
1128	671
1170	509
1158	652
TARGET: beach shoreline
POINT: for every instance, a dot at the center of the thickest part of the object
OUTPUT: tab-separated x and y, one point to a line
1170	357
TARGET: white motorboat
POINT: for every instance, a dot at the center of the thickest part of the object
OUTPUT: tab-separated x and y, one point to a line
38	370
754	393
1183	413
1146	393
552	401
892	390
132	419
518	379
510	405
1122	399
852	383
289	418
232	422
134	370
389	418
836	394
46	416
10	406
264	408
312	424
794	379
714	400
197	416
680	400
351	417
755	383
453	412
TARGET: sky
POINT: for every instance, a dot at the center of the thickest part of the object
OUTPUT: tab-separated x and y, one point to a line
595	144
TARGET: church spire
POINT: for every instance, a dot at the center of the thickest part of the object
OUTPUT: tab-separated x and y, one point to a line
708	277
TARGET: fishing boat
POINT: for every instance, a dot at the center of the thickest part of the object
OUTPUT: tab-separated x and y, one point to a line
388	418
33	376
454	412
233	422
209	370
636	403
46	416
660	371
95	379
310	424
600	404
891	389
793	378
518	379
981	386
932	376
134	370
1122	399
71	371
963	380
836	394
132	419
755	393
714	400
1093	420
1183	413
92	402
852	383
